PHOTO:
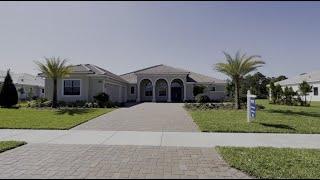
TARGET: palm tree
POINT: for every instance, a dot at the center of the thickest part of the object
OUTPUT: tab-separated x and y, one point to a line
236	68
54	68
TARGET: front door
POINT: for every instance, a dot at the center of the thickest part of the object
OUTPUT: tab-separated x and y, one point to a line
176	94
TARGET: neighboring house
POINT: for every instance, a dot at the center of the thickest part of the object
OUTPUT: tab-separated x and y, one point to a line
312	78
27	85
158	83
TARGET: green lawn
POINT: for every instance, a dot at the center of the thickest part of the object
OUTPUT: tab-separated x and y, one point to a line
274	118
31	118
7	145
274	163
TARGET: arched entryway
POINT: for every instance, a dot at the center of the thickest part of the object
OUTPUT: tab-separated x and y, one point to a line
146	89
177	91
161	90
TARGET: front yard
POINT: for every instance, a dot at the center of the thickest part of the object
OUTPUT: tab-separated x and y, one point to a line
7	145
31	118
271	163
274	118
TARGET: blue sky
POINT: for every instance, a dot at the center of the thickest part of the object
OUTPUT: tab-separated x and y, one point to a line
126	36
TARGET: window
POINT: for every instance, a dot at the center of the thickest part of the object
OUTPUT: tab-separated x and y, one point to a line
148	89
315	91
132	90
163	89
71	87
213	88
42	90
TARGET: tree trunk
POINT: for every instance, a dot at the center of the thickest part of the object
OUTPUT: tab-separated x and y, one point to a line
305	100
54	97
236	95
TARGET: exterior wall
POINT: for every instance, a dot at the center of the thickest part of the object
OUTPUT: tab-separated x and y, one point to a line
95	87
189	93
117	91
121	91
89	87
311	96
84	88
132	97
218	94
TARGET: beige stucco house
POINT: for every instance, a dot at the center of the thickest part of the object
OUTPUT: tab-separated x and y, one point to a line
160	83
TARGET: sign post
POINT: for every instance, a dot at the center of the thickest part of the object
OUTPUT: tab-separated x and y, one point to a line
251	106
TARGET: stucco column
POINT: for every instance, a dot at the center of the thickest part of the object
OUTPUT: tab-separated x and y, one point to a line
138	92
153	92
184	92
169	92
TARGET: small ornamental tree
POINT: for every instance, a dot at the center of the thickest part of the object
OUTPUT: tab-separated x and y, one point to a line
8	94
305	88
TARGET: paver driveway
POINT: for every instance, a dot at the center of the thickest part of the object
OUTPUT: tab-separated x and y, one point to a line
144	117
83	161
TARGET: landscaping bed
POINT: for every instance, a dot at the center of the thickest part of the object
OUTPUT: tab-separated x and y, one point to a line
272	163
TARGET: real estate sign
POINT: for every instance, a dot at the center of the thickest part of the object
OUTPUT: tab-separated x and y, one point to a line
251	106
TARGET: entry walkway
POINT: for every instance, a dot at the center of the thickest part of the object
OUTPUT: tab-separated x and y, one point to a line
169	139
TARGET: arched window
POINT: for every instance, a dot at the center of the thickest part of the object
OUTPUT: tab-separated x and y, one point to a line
148	89
162	88
176	84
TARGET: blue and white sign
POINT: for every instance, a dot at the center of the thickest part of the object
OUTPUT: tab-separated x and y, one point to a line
251	106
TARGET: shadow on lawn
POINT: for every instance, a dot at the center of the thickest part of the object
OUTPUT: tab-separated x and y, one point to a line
73	111
279	126
293	113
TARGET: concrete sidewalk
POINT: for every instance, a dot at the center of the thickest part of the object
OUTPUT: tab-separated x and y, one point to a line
173	139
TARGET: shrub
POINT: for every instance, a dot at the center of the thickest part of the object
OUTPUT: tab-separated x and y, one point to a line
62	104
205	106
40	102
8	94
200	98
79	103
102	99
198	90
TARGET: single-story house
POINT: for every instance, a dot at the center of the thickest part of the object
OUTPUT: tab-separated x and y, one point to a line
312	78
160	83
28	86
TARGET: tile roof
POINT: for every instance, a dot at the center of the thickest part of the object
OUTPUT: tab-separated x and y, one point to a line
23	79
95	70
309	77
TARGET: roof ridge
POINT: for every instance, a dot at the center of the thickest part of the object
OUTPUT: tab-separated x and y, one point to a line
85	66
103	71
142	69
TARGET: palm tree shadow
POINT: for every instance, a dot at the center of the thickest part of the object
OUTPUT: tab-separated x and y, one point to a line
278	126
72	111
293	113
